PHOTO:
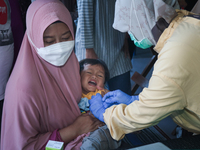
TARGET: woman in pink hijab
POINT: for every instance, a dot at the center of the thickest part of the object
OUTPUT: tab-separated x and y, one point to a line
44	88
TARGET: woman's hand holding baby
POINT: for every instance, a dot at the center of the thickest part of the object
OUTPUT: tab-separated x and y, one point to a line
83	124
87	123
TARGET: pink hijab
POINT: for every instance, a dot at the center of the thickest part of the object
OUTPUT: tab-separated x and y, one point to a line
40	97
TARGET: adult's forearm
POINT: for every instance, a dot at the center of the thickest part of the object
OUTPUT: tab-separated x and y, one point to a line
68	133
90	53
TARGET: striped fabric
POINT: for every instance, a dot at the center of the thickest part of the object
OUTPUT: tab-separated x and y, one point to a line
94	30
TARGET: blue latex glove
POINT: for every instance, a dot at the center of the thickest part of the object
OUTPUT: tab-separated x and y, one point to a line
96	106
117	97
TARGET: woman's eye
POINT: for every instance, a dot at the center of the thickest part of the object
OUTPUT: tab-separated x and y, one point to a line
65	39
49	42
89	72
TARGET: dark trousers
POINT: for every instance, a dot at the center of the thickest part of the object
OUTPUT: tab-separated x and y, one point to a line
121	82
1	107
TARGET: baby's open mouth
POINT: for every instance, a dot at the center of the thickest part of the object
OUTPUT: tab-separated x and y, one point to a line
93	83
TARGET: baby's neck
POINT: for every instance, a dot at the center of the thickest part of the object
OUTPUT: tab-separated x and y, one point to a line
91	92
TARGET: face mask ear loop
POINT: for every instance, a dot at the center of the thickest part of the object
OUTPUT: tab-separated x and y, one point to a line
138	19
32	42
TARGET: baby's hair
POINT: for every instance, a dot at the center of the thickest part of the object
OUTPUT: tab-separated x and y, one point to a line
95	62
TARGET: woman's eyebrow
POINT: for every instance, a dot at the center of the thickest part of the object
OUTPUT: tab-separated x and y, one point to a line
66	33
48	36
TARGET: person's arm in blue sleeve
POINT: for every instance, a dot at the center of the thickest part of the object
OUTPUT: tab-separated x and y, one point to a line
86	20
86	16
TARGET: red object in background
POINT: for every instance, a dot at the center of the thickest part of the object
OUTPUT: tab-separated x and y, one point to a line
3	12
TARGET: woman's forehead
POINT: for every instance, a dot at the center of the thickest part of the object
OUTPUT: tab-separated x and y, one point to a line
56	28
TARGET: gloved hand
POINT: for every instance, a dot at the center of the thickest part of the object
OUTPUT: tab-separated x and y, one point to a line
96	106
117	97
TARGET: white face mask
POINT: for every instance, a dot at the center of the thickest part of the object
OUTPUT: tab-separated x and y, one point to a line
56	54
